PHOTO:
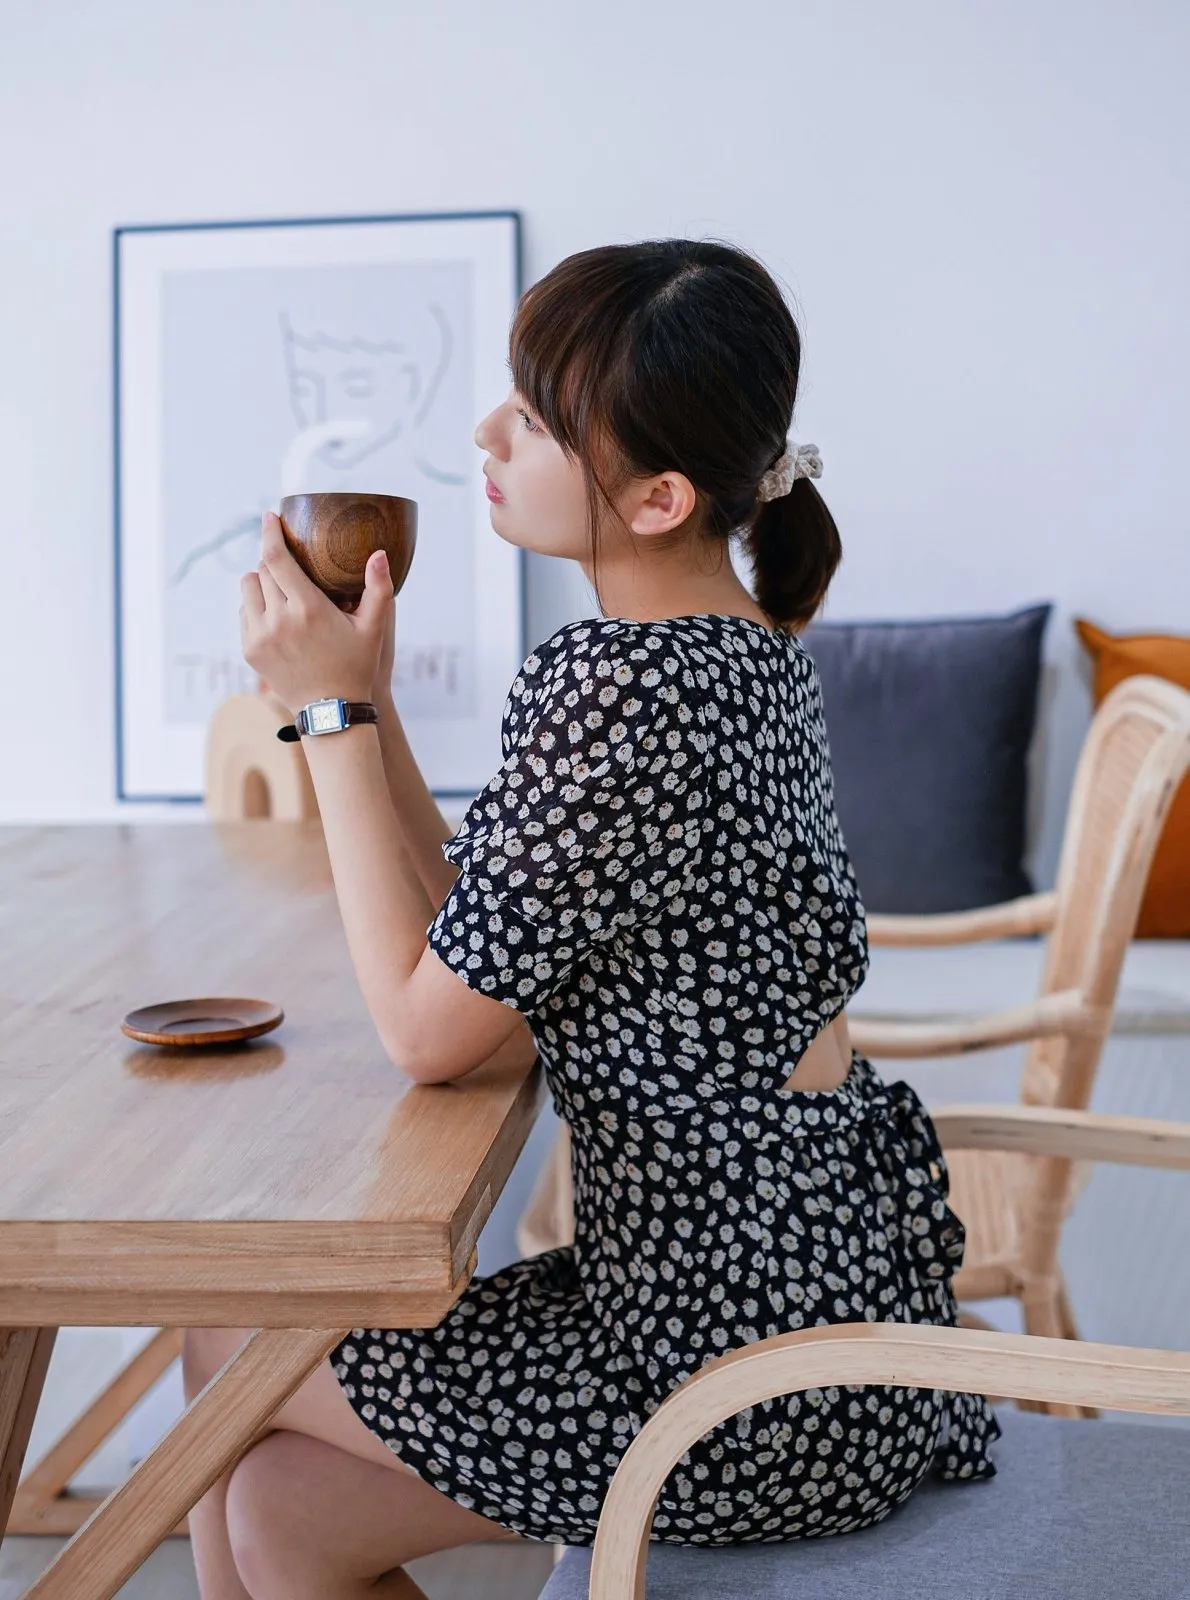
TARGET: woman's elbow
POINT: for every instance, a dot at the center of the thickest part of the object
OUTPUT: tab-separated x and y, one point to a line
419	1061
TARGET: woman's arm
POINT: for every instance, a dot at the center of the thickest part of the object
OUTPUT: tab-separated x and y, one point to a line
432	1024
421	822
417	812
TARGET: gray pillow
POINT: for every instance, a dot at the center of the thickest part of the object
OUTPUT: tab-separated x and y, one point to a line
929	725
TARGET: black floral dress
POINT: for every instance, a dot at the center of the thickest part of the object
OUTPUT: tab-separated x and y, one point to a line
656	878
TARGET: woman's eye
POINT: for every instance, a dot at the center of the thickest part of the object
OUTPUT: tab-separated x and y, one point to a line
530	425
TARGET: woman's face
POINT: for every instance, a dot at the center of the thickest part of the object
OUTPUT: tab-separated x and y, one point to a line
538	495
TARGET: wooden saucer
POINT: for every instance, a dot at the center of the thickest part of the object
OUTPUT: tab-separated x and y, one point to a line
199	1023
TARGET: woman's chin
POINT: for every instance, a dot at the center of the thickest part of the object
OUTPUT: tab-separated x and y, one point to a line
569	549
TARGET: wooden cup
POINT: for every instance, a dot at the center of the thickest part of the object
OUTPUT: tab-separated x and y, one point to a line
331	537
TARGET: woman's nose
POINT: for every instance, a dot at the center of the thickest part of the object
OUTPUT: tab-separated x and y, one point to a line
492	435
484	432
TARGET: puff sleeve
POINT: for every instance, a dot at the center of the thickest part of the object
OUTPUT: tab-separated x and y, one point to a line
593	824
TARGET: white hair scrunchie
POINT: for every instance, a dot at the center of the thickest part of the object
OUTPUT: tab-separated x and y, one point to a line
799	461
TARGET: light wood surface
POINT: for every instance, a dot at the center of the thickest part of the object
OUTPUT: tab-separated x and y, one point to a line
297	1184
1052	1015
1031	913
1058	1131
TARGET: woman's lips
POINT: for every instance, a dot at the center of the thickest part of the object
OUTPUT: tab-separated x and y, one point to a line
493	493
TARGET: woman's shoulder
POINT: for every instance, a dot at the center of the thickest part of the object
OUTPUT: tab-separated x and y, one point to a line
700	638
591	649
609	678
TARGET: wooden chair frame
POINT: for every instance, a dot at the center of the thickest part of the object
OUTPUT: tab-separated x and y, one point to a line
1025	1366
1134	758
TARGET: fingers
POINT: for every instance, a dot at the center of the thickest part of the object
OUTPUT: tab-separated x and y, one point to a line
251	613
251	595
274	555
270	589
378	591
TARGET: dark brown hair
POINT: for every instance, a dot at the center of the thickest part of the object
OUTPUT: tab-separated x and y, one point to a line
682	356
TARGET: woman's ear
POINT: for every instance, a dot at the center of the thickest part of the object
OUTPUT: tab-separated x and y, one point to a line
661	504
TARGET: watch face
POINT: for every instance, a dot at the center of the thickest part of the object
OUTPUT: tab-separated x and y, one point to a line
325	716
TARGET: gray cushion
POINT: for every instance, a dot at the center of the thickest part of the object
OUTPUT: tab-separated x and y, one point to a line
929	725
1077	1511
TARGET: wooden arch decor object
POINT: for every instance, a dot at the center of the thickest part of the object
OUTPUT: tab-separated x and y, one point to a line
250	774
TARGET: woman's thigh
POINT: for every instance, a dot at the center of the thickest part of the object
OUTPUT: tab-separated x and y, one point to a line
320	1410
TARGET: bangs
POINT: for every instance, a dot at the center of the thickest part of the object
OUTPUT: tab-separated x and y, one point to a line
570	352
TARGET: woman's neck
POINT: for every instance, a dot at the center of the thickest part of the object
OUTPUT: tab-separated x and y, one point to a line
649	591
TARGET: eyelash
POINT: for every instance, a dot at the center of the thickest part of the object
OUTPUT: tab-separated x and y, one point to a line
527	420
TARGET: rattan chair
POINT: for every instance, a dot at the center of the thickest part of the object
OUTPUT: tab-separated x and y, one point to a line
1132	761
1134	757
1078	1510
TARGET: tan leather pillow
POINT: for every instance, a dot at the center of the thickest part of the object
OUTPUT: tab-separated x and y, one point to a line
1165	909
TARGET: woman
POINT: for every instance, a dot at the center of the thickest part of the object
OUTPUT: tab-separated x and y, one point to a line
656	885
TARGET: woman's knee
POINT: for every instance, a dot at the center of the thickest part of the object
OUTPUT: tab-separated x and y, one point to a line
267	1525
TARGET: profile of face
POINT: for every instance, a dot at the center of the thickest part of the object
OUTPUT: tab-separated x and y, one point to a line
538	494
383	388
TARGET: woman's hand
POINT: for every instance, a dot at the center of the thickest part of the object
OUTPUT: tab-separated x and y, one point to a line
382	687
299	641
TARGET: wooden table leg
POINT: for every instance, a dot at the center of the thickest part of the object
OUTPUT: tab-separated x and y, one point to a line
42	1504
211	1435
24	1361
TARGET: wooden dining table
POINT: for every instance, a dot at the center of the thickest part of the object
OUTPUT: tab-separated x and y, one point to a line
297	1185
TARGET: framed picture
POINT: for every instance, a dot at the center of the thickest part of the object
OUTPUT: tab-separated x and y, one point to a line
254	360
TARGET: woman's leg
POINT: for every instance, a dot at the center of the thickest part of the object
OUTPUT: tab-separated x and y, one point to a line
308	1521
319	1507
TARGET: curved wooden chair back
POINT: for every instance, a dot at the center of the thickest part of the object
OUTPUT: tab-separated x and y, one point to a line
1046	1373
1133	759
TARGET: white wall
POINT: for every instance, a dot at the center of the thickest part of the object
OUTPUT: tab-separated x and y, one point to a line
980	209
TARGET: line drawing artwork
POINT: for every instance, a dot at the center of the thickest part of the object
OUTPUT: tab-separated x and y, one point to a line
304	380
350	398
259	358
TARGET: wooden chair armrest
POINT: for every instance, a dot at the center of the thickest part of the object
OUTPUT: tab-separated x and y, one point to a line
1055	1131
1031	913
1019	1365
1063	1012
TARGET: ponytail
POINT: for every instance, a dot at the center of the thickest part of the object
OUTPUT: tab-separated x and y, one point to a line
794	547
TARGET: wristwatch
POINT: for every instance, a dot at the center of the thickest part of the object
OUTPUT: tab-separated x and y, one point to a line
328	716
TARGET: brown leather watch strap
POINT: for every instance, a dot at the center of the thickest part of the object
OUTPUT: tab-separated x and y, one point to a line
354	713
